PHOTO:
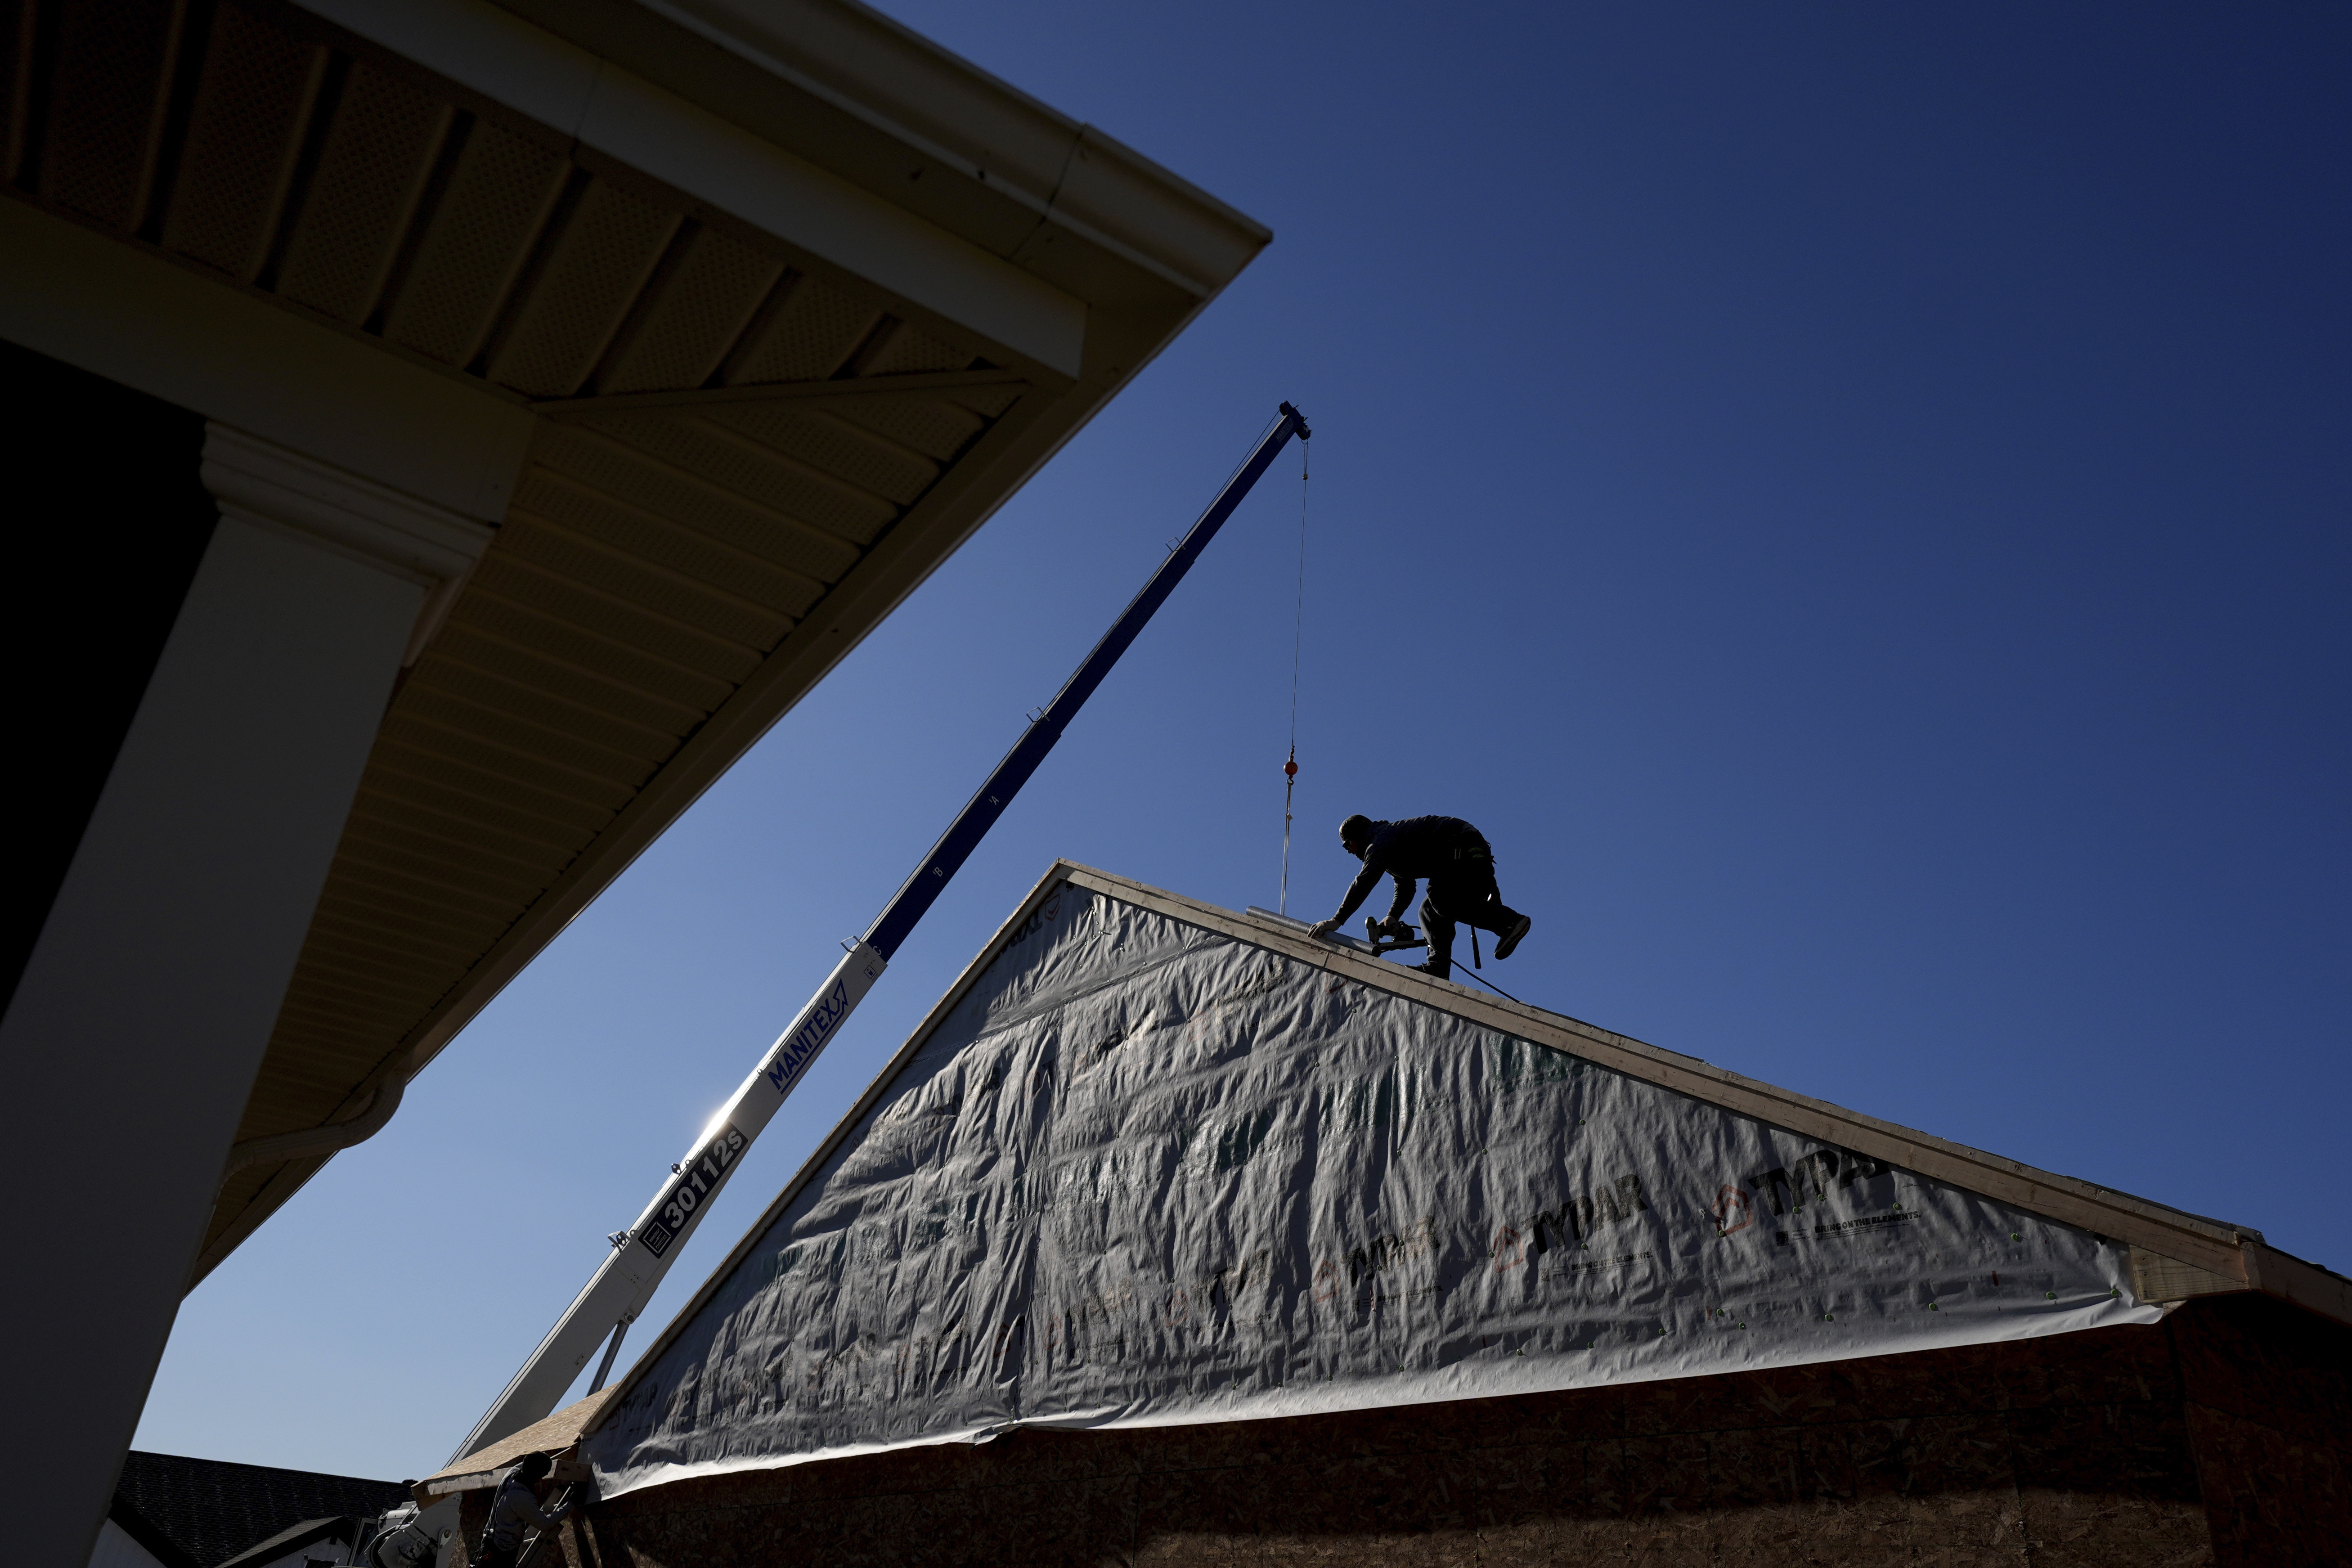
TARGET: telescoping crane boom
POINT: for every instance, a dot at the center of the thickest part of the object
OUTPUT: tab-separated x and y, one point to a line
641	1255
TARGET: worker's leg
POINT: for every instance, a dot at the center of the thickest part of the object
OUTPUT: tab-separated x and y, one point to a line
1510	925
1470	898
1498	917
1480	903
1437	925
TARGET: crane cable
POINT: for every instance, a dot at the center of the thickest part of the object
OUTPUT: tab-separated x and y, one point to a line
1298	640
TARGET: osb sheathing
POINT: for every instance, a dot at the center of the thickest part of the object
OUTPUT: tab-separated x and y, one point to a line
2214	1438
2268	1392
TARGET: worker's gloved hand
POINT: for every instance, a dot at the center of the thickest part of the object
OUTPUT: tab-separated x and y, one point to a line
1321	930
1396	927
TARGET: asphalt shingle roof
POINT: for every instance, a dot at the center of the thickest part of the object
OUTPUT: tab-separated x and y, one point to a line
213	1509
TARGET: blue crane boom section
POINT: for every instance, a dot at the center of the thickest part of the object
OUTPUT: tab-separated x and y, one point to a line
642	1255
917	893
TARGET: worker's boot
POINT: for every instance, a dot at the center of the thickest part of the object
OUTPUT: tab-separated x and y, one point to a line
1440	962
1514	926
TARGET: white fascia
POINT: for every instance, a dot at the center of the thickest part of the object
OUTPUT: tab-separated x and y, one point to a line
506	58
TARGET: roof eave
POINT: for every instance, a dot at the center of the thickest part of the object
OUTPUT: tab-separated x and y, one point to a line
869	102
893	111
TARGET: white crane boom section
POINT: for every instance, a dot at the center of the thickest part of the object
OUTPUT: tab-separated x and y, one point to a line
619	1289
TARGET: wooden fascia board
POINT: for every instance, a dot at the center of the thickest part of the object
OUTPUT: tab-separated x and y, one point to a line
2290	1279
556	1434
566	1471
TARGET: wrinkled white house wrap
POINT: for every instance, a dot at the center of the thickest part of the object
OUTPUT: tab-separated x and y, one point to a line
1143	1172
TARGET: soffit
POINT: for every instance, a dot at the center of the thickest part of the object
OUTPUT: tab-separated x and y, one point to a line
744	455
267	147
660	565
604	105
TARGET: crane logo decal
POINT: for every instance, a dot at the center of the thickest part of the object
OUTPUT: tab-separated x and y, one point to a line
696	1183
797	1049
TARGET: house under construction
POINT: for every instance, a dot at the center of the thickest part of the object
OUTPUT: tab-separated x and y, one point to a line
1174	1235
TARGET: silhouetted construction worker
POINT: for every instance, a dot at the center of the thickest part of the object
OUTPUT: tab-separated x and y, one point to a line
1459	866
515	1509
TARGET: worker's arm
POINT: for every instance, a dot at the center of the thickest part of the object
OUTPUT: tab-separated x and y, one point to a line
1405	886
520	1501
543	1519
1357	890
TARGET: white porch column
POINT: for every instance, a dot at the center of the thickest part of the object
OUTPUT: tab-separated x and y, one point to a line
133	1037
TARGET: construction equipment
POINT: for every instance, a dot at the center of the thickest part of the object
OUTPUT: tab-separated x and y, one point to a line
409	1537
1381	937
642	1254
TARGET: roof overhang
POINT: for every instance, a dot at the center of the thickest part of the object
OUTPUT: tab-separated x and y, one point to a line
556	1436
690	338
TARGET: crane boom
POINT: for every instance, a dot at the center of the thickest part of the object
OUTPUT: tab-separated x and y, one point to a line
640	1255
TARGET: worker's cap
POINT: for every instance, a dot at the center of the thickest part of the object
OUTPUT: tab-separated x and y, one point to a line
1355	832
534	1467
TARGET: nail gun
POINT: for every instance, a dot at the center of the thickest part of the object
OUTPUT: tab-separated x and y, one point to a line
1390	936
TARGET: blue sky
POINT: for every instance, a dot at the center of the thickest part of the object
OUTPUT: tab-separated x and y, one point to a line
1852	500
